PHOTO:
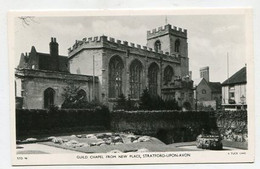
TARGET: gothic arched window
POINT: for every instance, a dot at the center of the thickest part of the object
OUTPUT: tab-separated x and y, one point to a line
168	74
157	46
49	94
153	72
136	79
177	45
115	77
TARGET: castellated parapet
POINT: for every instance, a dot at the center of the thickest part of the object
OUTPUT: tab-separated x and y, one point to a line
99	42
167	29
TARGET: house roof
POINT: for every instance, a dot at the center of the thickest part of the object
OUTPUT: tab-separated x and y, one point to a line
237	78
215	86
45	61
196	82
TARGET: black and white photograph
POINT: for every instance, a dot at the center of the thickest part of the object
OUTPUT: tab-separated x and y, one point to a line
131	87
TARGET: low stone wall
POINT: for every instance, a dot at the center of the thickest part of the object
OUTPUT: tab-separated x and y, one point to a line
169	126
232	125
176	126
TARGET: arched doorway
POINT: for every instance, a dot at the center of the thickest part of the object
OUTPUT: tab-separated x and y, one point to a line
49	94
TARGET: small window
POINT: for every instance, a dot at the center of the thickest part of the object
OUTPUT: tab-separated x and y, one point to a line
157	46
204	91
177	45
231	87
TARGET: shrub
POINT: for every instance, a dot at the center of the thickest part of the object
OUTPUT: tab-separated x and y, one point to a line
148	102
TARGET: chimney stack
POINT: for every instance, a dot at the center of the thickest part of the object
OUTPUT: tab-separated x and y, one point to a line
54	52
54	48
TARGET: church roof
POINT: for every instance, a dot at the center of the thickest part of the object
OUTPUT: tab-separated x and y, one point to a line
237	78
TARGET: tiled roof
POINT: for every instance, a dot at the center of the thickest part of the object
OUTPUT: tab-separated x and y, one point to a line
215	86
46	62
237	78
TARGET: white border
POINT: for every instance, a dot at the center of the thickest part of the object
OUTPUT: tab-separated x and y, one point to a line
196	157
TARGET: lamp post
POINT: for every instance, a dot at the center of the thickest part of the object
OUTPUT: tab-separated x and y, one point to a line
243	99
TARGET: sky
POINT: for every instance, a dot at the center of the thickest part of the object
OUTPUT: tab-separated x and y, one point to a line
210	37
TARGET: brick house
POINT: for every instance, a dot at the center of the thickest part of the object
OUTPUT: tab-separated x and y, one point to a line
207	93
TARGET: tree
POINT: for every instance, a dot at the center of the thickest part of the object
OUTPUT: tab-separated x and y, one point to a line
171	104
27	20
121	102
145	100
73	99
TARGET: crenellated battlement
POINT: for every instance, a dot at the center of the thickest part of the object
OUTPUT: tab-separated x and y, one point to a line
101	41
87	40
167	29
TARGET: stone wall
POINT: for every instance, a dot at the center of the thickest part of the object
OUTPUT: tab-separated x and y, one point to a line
35	82
103	48
233	125
169	126
176	126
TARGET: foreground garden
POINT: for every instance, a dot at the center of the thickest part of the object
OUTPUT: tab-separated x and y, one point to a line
155	125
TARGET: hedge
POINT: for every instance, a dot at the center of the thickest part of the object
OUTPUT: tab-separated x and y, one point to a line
155	115
28	120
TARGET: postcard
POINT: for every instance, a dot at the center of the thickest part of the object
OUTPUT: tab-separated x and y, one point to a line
131	86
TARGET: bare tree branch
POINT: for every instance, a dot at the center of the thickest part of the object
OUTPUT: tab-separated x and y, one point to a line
27	20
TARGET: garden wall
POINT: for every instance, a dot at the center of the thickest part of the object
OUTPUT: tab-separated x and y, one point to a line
232	125
175	126
37	121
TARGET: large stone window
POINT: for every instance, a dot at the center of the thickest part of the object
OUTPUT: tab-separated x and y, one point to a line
115	76
49	94
157	46
136	79
153	72
177	45
168	74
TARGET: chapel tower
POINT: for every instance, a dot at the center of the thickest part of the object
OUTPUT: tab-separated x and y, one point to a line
171	40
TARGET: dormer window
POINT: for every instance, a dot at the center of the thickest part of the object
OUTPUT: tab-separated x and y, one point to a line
177	45
157	46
